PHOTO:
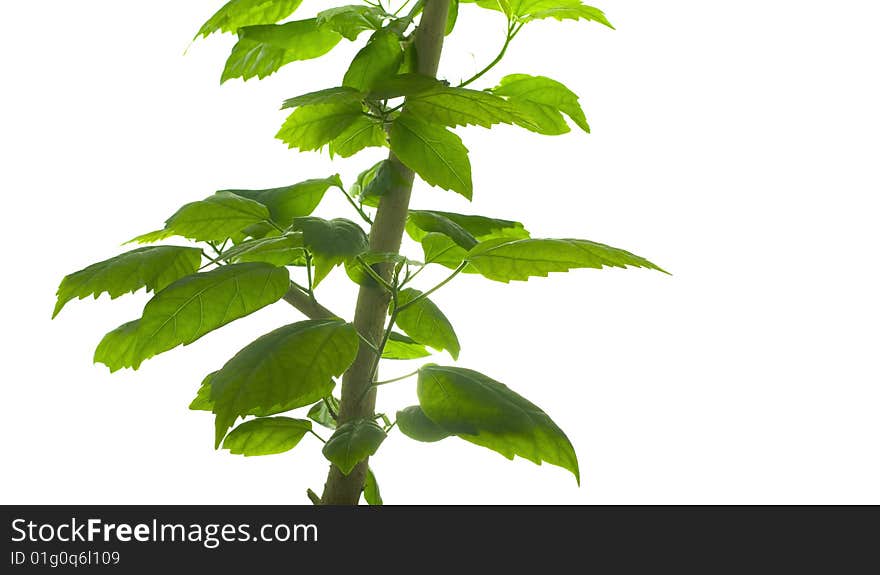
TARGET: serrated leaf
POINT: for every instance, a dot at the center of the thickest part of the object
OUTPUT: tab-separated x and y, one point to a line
413	423
285	250
152	237
290	202
217	217
379	59
337	95
488	413
362	133
433	152
504	260
312	127
440	249
353	442
238	13
529	10
480	227
192	307
425	323
451	106
402	347
263	50
371	489
152	267
330	242
266	436
320	413
290	367
351	20
541	99
202	400
404	85
421	222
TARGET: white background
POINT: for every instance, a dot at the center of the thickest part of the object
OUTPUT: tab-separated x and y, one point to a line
735	144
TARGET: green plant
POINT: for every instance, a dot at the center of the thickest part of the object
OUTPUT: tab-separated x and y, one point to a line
248	243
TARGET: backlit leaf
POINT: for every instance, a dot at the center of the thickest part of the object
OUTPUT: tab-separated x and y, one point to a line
217	217
413	423
400	346
371	489
238	13
266	436
312	127
331	242
337	95
291	202
540	100
363	133
320	413
284	250
425	323
351	20
353	442
450	106
379	59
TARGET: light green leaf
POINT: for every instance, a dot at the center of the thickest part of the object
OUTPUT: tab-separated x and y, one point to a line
425	323
503	260
312	127
400	346
433	152
371	489
488	413
540	99
353	442
405	85
238	13
266	436
529	10
202	400
285	250
337	95
421	222
153	267
294	201
319	413
290	367
379	59
363	133
413	423
440	249
217	217
450	106
191	307
374	183
330	242
480	227
152	237
350	21
263	50
452	17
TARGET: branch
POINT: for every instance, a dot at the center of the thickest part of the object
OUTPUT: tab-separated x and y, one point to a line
301	300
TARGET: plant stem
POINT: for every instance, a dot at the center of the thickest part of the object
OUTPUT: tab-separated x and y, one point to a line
418	298
512	31
357	208
372	304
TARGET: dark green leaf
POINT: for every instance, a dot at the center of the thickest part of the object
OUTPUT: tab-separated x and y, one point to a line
262	50
413	423
266	436
353	442
152	267
191	307
285	250
290	367
294	201
330	242
540	100
400	346
338	95
421	222
480	227
433	152
450	106
503	260
238	13
488	413
351	20
379	59
425	323
376	182
312	127
217	217
363	133
371	489
319	413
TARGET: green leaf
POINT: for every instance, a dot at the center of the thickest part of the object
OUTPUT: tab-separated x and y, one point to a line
433	152
413	423
379	59
266	436
400	346
503	260
330	242
337	95
425	323
202	401
238	13
450	106
371	489
488	413
375	183
452	17
191	307
421	222
529	10
153	267
362	133
290	367
541	99
350	21
311	127
479	227
263	50
290	202
440	249
353	442
285	250
152	237
320	414
405	85
217	217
